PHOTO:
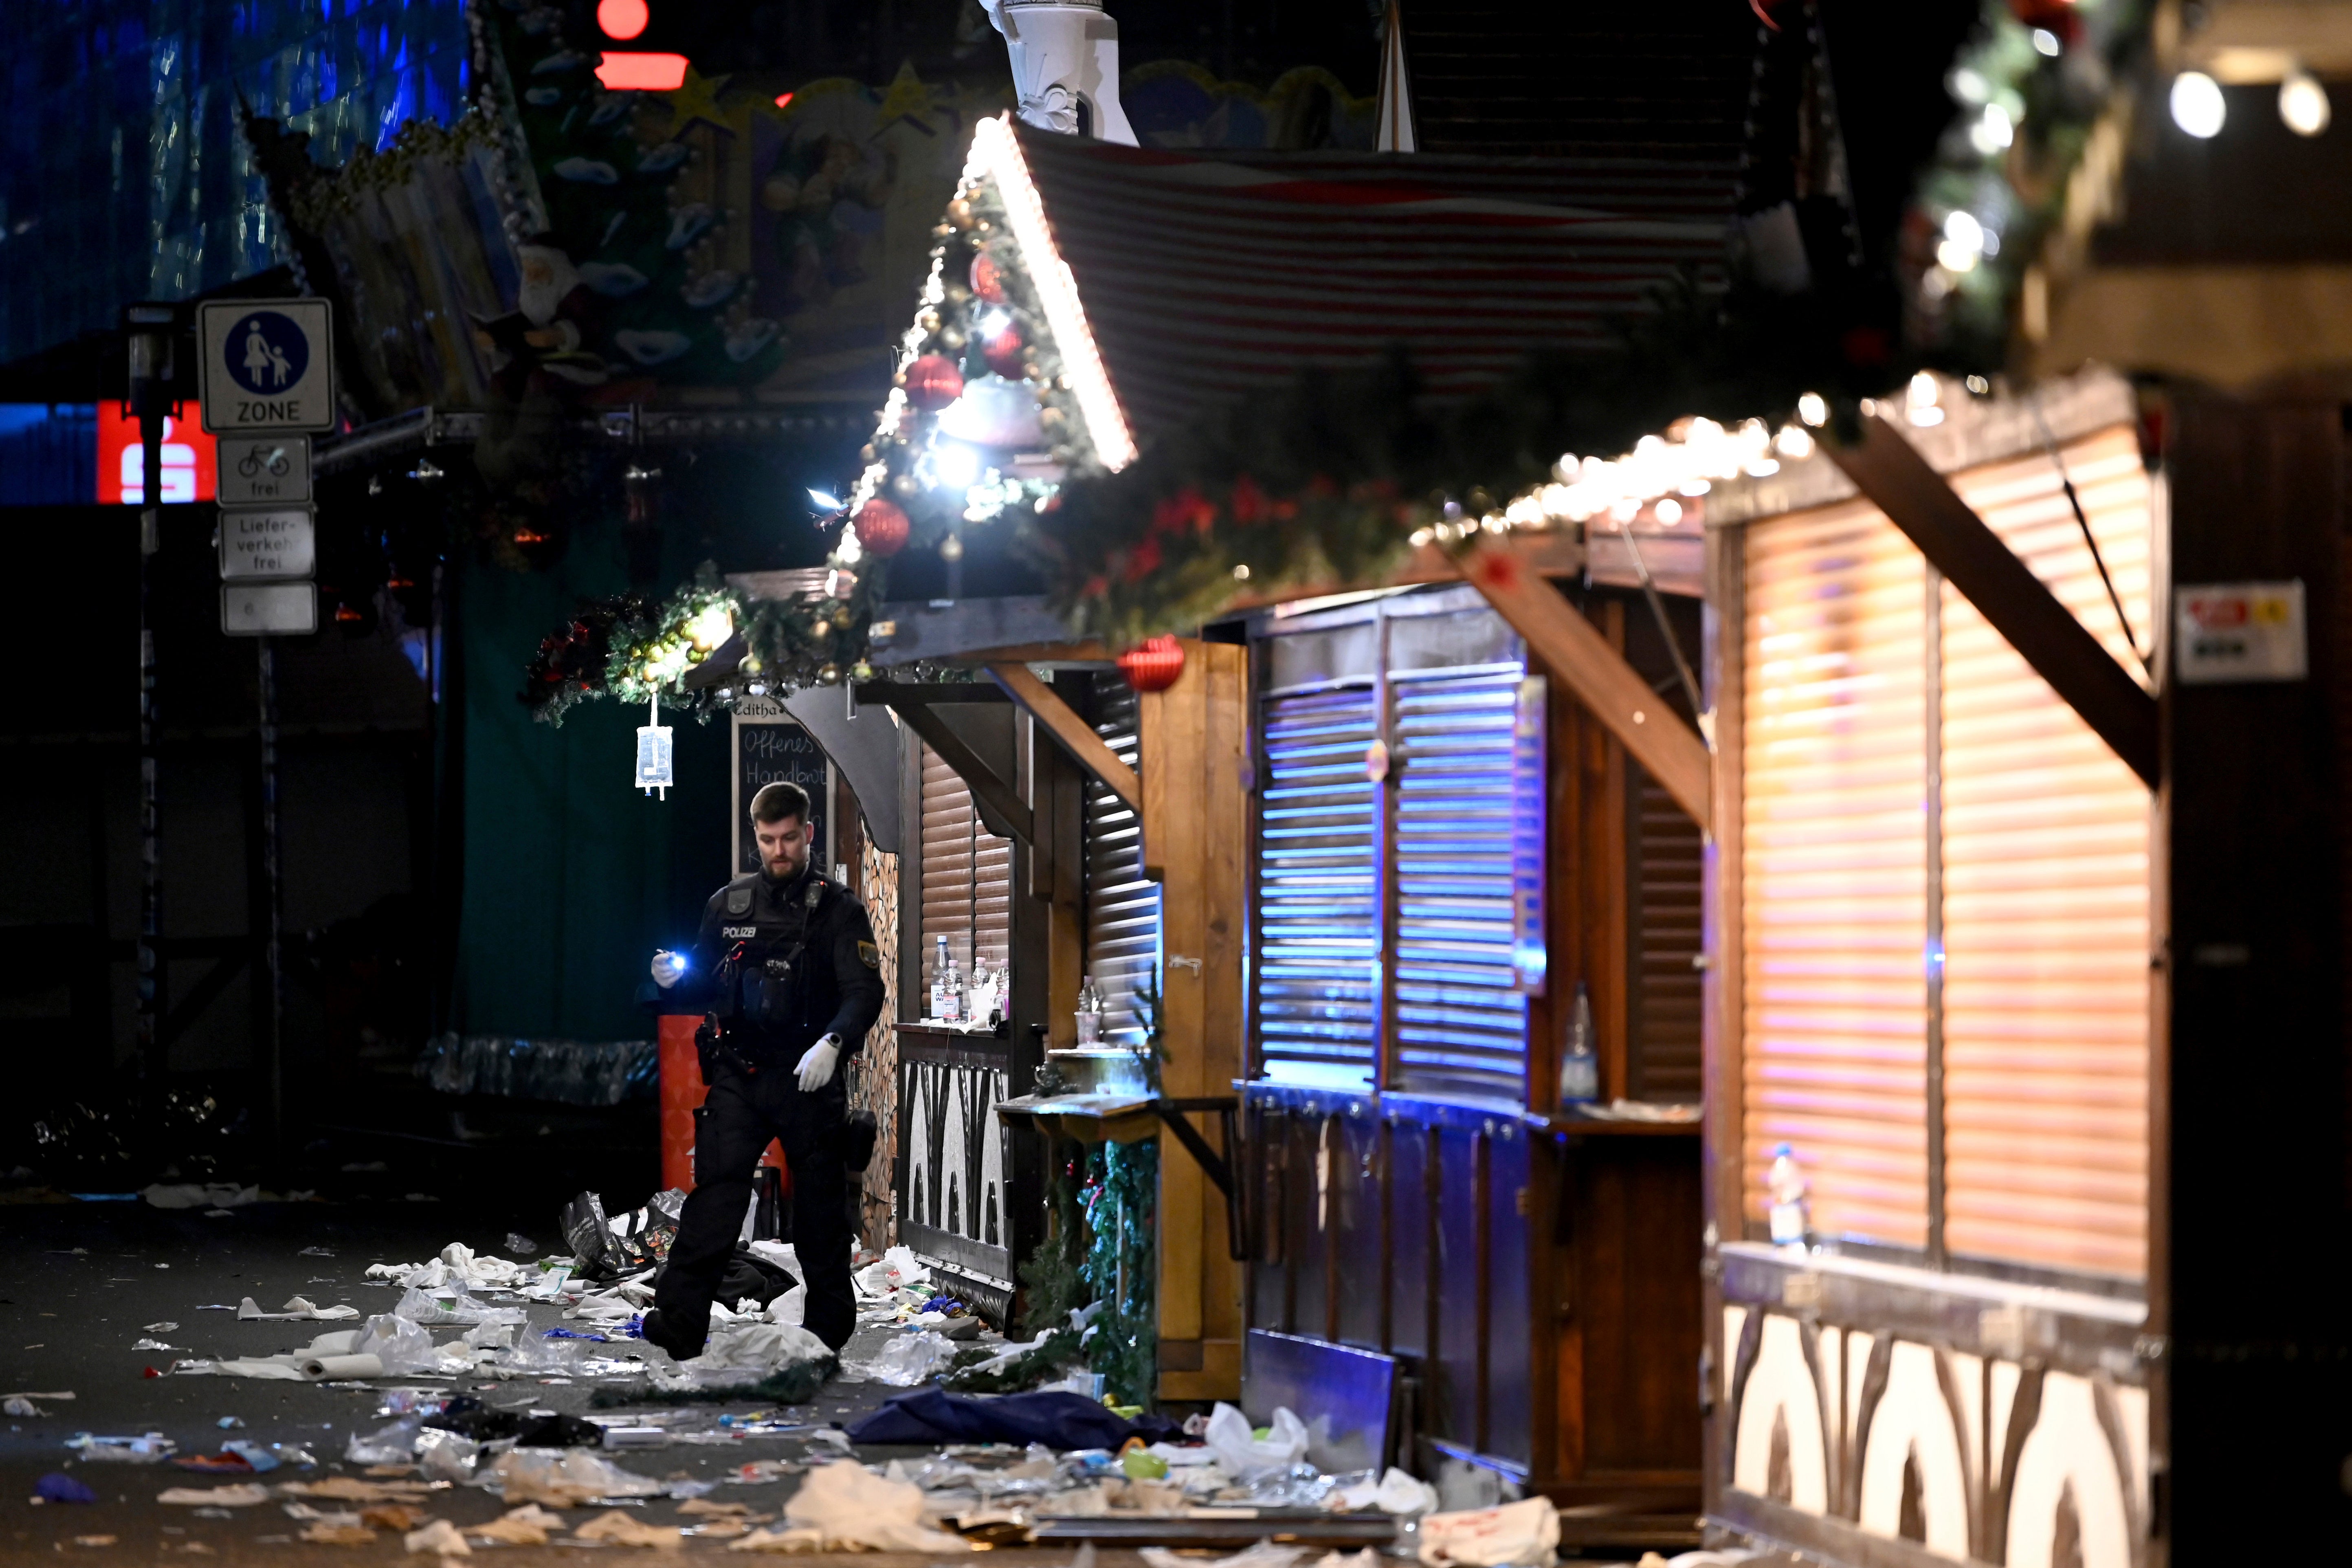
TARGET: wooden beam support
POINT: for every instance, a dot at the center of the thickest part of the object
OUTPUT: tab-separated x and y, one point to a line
992	795
1892	475
1073	734
1072	653
1610	689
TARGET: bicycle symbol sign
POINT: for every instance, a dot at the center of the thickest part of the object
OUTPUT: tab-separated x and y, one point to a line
267	365
256	470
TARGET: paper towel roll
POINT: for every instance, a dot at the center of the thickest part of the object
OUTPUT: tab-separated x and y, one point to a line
319	1368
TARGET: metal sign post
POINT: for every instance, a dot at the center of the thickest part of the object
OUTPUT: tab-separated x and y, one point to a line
268	371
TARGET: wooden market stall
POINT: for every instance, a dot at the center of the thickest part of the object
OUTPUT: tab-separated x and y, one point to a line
1389	833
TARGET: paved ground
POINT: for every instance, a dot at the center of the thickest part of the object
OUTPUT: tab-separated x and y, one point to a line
82	1282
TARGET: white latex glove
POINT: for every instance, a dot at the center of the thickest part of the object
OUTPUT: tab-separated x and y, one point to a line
817	1064
668	969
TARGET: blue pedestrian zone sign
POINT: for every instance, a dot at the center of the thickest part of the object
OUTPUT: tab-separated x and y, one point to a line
269	364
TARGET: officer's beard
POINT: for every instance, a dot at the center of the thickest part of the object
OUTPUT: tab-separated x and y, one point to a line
784	870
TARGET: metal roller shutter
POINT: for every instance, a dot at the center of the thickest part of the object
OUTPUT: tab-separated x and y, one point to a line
1318	964
1122	905
2046	846
967	874
1461	1029
1835	857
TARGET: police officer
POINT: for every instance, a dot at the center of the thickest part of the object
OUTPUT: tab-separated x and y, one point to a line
787	966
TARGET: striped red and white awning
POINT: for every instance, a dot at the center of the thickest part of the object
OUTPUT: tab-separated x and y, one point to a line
1204	275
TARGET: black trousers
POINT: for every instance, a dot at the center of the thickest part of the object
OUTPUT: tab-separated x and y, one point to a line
739	1114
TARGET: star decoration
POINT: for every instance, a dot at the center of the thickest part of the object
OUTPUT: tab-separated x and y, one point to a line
698	99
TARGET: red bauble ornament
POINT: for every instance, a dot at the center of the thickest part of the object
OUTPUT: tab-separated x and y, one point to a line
933	382
1003	349
2056	17
1155	666
986	280
881	528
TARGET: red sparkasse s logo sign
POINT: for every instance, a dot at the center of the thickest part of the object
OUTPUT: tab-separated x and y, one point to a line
191	458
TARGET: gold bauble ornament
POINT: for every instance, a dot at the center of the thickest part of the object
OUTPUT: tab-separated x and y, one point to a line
828	675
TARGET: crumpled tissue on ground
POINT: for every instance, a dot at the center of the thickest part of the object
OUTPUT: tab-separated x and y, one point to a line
1245	1455
459	1263
621	1530
524	1526
1395	1492
437	1535
568	1478
248	1311
908	1359
1516	1536
844	1507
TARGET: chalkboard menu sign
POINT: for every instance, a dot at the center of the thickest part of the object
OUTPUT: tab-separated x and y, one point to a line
768	747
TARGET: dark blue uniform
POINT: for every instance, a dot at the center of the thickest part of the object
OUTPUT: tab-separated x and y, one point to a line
778	966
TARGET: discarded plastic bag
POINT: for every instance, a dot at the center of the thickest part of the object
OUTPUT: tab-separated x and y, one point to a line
1516	1536
403	1346
390	1444
851	1509
446	1456
1243	1454
1395	1492
758	1347
152	1450
566	1479
898	1269
911	1359
421	1306
248	1311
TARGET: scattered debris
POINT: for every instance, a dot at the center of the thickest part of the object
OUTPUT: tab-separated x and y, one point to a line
299	1307
525	1526
59	1487
617	1527
567	1480
1516	1536
245	1496
151	1450
439	1536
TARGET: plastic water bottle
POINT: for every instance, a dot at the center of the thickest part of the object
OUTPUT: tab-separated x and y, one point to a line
1792	1214
1580	1068
1090	1011
940	981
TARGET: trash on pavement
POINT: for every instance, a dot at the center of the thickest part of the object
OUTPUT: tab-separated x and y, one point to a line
843	1507
618	1528
392	1445
1265	1555
1395	1492
440	1536
521	1245
247	1310
566	1479
1516	1536
1056	1419
403	1347
328	1532
446	1456
908	1359
351	1488
1244	1454
257	1458
524	1526
248	1495
18	1405
152	1450
424	1305
59	1487
896	1269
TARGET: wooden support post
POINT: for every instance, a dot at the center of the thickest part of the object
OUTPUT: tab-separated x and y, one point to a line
1890	472
1073	734
1610	688
1194	747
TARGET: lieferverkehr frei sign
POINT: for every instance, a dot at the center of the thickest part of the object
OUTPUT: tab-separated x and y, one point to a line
269	364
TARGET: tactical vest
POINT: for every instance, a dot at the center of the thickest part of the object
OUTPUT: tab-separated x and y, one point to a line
764	976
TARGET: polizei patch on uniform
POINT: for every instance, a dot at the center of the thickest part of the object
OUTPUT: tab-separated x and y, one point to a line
732	932
869	955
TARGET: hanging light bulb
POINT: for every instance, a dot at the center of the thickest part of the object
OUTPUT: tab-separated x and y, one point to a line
2302	104
2198	106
